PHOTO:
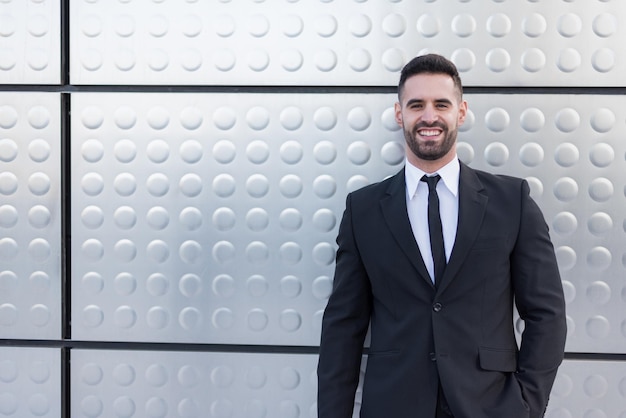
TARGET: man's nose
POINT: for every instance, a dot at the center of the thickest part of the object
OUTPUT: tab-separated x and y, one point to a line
430	114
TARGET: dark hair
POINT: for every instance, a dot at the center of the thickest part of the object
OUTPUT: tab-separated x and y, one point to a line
430	64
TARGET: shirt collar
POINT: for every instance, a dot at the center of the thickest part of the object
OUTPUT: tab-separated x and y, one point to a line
449	175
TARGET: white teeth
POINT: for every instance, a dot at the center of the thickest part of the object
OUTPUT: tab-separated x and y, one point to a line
429	133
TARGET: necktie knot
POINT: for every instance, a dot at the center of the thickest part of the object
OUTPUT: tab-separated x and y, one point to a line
431	181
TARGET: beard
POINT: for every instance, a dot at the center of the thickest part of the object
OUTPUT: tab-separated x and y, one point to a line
430	150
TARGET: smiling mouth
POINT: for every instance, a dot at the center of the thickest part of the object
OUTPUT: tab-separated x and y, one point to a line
426	133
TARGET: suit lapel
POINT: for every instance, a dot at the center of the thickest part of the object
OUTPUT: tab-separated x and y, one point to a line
393	207
472	205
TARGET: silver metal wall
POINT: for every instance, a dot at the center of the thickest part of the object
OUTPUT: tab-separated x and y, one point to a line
172	175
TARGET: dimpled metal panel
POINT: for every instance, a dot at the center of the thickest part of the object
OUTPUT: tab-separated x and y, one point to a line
29	382
212	217
30	216
188	384
345	43
30	48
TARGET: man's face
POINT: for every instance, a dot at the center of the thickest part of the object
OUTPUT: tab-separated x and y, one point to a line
430	112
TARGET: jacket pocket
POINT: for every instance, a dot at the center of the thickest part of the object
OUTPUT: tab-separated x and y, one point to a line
497	359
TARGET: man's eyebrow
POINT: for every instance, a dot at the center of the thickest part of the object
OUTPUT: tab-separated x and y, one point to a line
418	101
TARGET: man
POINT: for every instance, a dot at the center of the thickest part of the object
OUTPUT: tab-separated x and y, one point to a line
442	336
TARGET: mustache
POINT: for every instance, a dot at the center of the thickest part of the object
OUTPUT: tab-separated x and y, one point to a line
423	125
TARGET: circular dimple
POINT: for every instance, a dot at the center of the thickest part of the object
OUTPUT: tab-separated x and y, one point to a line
188	376
565	223
566	189
388	120
359	119
158	218
40	281
359	59
496	154
289	378
531	154
190	185
292	26
569	60
157	317
290	320
356	182
534	25
569	25
605	25
157	284
257	253
125	250
191	151
8	150
124	407
8	216
392	153
8	281
92	117
291	118
7	26
258	118
156	375
290	219
8	59
190	318
8	116
599	258
566	257
157	251
601	189
224	118
190	251
325	152
125	151
602	155
324	254
224	151
256	377
325	25
600	223
533	60
39	249
224	219
394	25
464	59
257	219
290	253
39	315
322	287
324	220
224	25
125	184
8	249
257	185
598	293
257	286
325	60
125	217
92	283
39	184
498	25
291	186
223	318
463	25
158	151
8	183
536	187
567	120
290	286
190	218
257	320
223	252
603	120
360	25
158	184
38	117
92	150
92	249
359	153
257	152
596	387
569	291
324	186
598	327
603	60
532	120
291	60
258	26
428	25
91	374
92	316
125	284
325	118
566	155
291	152
191	118
497	119
38	216
224	286
8	370
498	59
125	317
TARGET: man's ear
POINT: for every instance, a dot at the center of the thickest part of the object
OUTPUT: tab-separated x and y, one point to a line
398	113
462	112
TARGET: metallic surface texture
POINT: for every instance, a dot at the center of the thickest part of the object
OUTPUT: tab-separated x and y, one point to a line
359	42
30	216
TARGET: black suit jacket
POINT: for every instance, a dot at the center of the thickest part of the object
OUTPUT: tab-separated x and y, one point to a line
459	334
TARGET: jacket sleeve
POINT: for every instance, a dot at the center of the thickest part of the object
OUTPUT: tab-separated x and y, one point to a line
540	303
344	327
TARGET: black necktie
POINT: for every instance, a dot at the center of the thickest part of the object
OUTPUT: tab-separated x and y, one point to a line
434	227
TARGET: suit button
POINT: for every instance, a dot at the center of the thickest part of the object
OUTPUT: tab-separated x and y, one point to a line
433	356
437	306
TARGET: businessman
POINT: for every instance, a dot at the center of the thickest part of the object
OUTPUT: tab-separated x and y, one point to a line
432	261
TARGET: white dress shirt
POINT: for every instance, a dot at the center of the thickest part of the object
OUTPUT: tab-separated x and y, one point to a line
417	207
